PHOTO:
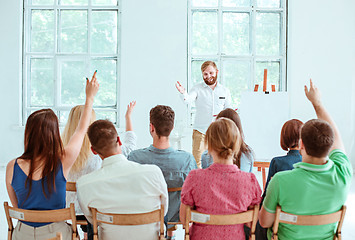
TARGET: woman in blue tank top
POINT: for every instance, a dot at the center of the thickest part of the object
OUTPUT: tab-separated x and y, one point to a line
37	179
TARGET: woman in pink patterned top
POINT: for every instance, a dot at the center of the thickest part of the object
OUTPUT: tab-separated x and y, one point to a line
222	188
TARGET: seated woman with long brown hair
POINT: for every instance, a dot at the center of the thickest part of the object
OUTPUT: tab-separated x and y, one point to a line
222	188
37	179
244	159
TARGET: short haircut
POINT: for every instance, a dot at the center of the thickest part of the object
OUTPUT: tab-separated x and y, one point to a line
208	63
103	136
290	134
162	118
317	137
223	137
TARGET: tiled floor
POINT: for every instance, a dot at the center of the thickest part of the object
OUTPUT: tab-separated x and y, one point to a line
347	232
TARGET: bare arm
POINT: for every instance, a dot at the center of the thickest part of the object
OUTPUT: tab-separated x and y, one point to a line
183	213
10	190
130	108
266	219
314	97
72	149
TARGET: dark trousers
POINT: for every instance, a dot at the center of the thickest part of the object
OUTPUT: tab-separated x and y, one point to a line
86	228
260	232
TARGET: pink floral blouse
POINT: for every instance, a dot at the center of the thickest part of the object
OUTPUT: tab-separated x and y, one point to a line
220	189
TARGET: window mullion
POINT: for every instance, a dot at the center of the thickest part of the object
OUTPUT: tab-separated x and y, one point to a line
57	61
189	48
283	84
220	38
252	45
89	29
25	77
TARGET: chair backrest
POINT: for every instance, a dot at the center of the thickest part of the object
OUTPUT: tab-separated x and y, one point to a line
230	219
174	189
309	220
71	187
58	237
40	216
128	219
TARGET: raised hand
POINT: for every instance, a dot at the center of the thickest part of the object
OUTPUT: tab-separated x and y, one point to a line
92	86
313	94
130	108
179	87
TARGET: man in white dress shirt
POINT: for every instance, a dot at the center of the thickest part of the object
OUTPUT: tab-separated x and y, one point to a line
120	186
210	98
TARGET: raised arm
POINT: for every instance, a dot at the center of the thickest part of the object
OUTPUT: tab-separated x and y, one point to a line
314	96
72	149
130	108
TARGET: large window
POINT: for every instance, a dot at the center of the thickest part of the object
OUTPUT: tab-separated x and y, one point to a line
64	42
243	37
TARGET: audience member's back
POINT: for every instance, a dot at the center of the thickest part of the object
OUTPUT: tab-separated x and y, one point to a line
175	164
317	185
222	188
289	141
120	186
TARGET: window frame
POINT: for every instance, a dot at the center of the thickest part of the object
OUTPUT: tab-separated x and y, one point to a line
252	57
58	57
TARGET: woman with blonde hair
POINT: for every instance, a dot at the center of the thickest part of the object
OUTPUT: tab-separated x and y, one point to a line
222	188
37	179
87	162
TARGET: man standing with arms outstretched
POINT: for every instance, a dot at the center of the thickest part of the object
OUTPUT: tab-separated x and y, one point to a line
316	186
210	98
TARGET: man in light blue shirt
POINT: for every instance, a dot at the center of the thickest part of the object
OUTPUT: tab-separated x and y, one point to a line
175	164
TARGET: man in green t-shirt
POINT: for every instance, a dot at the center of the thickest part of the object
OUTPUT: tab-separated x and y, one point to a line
317	185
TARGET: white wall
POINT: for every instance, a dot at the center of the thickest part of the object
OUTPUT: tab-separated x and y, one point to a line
154	56
321	46
11	136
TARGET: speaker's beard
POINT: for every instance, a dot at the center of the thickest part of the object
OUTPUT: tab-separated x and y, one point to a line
211	80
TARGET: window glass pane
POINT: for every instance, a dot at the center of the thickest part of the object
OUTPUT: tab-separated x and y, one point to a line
63	117
104	32
41	2
236	33
273	75
109	115
204	33
268	3
42	31
104	2
42	82
74	31
236	77
107	77
236	3
268	34
73	2
196	75
204	3
73	82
